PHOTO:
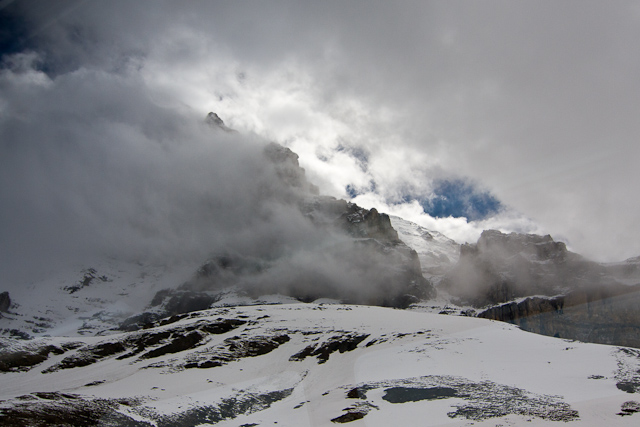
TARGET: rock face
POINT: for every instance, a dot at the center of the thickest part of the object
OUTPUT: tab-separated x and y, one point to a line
365	264
437	253
5	302
604	315
360	222
558	293
216	122
288	168
344	252
502	267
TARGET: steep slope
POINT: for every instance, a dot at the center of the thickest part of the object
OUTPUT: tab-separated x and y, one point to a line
328	249
87	300
283	238
317	365
437	253
536	283
502	267
605	315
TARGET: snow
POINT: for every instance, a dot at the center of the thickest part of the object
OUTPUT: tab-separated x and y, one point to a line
48	307
437	253
412	349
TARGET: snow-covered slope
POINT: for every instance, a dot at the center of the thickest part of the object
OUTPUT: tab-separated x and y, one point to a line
316	365
87	300
436	251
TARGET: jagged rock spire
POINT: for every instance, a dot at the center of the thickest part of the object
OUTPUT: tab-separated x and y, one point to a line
215	121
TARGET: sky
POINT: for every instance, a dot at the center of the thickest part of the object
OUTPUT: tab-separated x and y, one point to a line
460	116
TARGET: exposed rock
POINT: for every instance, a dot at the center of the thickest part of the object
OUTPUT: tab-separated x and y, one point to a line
394	269
89	276
139	321
148	344
602	314
241	403
627	374
168	303
15	333
5	302
502	267
177	344
360	222
629	408
475	400
224	270
348	417
341	343
416	394
26	358
382	269
361	260
88	355
183	301
223	326
288	169
216	122
62	410
236	348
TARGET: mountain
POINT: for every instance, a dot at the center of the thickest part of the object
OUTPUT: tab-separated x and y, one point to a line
299	244
317	365
315	311
437	252
537	284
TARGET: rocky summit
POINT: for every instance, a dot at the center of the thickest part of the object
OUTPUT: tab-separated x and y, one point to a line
317	311
502	267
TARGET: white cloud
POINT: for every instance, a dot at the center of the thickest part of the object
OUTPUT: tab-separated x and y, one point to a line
536	101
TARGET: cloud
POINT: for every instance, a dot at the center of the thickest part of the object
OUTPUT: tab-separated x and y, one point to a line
535	101
92	163
459	229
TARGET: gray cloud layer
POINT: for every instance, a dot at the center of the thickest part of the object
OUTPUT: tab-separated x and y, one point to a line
536	100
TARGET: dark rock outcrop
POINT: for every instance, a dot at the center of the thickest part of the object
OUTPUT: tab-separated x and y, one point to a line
90	275
360	222
337	250
5	302
340	343
236	348
177	344
357	256
603	314
568	295
216	122
158	340
288	168
25	359
182	301
502	267
167	304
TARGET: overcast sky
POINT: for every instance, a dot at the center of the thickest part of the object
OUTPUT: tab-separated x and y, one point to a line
533	105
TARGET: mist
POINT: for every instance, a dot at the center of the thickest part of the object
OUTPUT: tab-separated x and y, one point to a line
104	147
91	166
94	166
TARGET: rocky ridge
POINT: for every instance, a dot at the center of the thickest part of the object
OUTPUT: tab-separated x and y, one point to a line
503	267
536	283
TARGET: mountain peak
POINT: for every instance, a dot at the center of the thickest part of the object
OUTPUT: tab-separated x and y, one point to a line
215	121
